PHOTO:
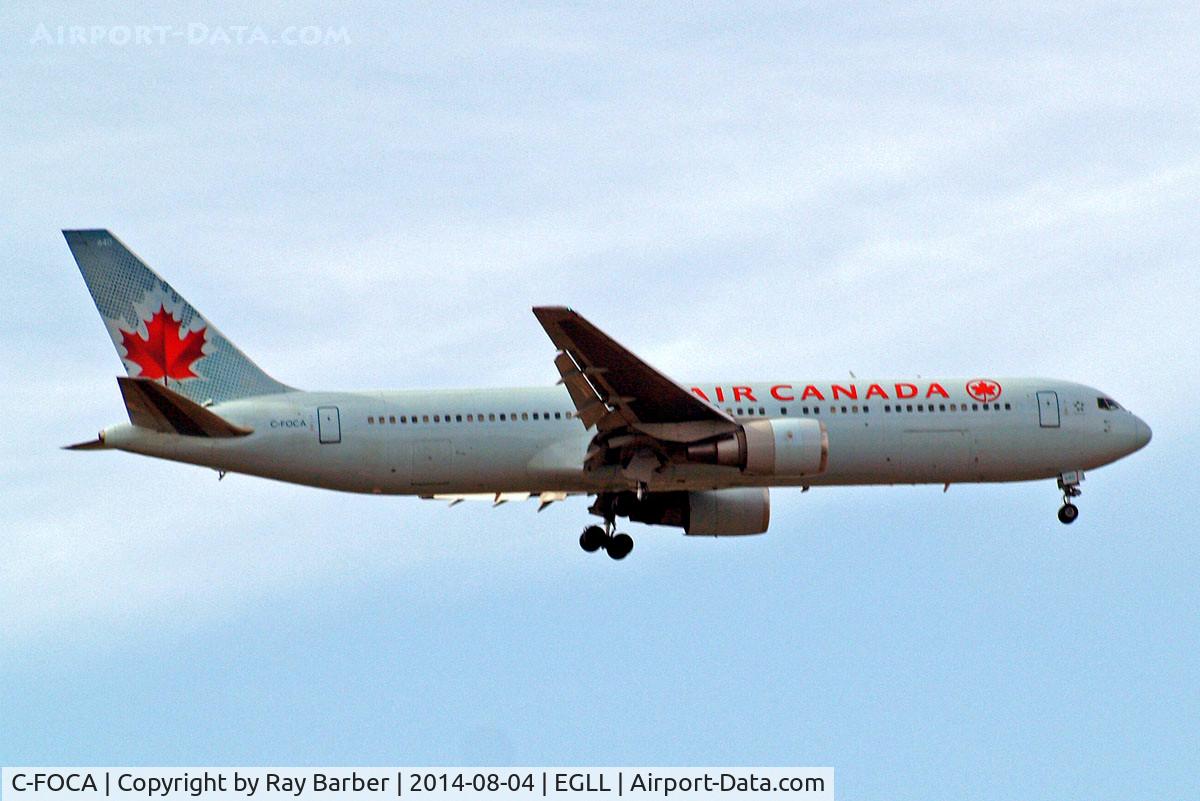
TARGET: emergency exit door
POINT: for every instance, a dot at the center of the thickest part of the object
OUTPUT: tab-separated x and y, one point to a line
329	425
1048	409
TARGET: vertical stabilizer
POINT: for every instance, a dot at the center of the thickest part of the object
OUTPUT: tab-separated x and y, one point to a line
158	334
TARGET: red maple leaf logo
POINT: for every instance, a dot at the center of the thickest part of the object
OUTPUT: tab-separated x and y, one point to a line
983	390
165	354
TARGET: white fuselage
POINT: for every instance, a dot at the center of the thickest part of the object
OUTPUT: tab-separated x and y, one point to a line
417	442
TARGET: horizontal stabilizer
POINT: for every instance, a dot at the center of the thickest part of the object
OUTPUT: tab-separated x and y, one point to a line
153	406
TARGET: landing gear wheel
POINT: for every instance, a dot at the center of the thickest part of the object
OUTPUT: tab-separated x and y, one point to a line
620	546
592	539
1068	513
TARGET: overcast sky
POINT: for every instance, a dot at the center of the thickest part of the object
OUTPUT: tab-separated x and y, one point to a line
732	190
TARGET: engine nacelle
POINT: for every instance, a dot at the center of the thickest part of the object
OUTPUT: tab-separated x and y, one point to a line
729	512
724	512
795	447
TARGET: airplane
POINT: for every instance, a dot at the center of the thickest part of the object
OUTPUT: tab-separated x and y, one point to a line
696	456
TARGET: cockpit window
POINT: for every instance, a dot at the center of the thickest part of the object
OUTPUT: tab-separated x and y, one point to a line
1107	403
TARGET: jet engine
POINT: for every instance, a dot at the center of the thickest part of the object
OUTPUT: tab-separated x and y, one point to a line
796	447
723	512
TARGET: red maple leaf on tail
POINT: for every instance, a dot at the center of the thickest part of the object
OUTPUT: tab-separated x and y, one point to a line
165	354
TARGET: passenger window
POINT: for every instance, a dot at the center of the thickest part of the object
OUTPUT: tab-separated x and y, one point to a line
1007	407
974	407
854	409
524	415
887	408
941	407
761	411
502	418
558	415
392	419
535	415
783	410
866	409
371	420
908	407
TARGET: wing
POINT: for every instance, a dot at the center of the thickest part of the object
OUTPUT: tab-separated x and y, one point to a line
545	498
614	390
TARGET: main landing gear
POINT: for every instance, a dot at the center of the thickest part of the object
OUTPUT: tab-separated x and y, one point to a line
1069	484
594	538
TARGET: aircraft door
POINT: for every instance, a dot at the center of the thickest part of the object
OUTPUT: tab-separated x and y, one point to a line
329	425
1048	409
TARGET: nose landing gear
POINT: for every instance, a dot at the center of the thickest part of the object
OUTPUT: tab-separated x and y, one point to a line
1069	484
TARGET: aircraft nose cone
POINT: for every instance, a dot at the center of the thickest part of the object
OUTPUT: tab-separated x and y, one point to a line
1142	433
